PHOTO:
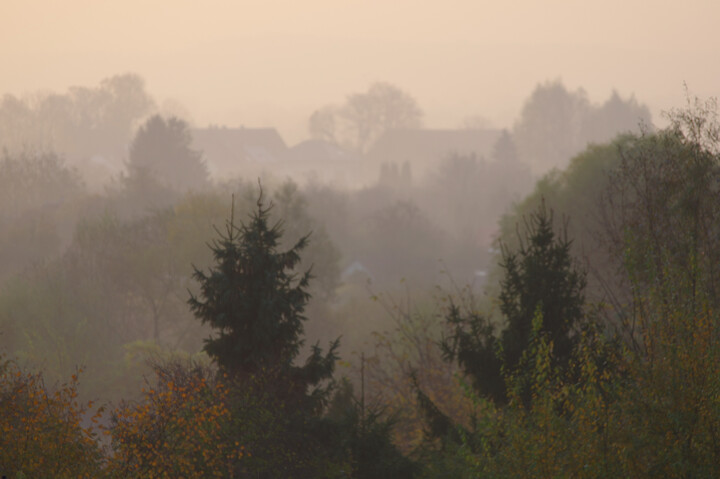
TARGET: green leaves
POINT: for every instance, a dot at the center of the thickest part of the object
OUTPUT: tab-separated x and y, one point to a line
541	296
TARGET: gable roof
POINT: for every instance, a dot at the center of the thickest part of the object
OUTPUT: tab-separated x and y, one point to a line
429	145
225	149
319	160
316	151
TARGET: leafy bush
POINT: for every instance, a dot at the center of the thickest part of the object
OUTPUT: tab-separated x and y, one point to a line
41	428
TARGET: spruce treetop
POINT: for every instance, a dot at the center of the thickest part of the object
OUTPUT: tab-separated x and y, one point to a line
541	275
252	297
542	288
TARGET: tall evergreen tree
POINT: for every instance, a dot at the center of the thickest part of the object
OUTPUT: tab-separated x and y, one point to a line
255	301
540	277
162	152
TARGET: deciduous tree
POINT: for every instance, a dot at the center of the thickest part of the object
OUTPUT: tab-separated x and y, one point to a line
162	150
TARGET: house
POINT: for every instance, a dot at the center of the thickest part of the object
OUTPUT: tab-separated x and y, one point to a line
424	147
230	151
319	151
324	162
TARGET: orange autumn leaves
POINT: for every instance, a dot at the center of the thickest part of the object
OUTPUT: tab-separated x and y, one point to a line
179	429
41	431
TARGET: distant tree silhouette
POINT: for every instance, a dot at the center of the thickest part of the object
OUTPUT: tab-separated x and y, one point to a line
556	124
615	116
322	124
80	124
383	107
364	117
162	151
40	197
504	149
548	132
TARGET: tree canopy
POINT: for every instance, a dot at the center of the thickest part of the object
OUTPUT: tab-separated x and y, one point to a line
255	301
541	283
557	124
364	117
162	150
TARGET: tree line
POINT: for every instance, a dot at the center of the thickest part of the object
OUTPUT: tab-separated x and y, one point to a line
598	357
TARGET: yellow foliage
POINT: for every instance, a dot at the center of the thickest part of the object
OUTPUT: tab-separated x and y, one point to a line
178	429
41	432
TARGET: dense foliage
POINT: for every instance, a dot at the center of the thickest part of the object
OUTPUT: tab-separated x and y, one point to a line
255	303
539	281
609	369
162	151
643	397
180	428
41	428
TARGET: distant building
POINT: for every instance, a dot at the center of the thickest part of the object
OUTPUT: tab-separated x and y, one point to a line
230	151
422	147
322	161
319	151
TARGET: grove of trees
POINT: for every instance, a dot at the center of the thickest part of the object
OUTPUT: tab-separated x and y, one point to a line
556	124
364	117
171	326
85	125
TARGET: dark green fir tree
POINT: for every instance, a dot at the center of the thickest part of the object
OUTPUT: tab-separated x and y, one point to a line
539	277
254	300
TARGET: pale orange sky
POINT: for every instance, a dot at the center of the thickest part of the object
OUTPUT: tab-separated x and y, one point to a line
271	63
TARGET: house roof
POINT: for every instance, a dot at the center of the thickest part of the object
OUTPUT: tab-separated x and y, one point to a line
317	151
323	161
426	145
224	149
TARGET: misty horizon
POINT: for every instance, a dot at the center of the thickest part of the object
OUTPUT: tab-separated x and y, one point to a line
273	65
359	239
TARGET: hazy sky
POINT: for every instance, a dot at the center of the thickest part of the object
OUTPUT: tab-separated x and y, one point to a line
262	63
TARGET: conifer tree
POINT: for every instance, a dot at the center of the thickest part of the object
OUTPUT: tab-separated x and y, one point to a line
540	280
540	276
255	301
